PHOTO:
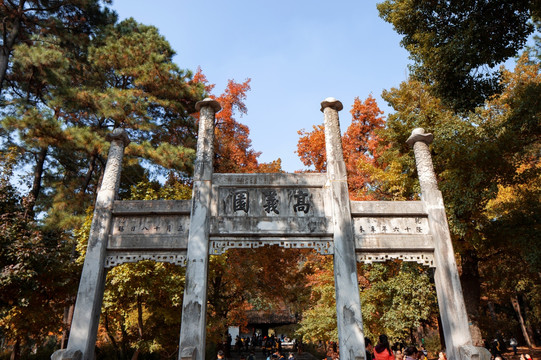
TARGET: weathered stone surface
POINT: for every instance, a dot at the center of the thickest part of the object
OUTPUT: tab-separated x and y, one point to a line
148	232
423	258
388	208
322	246
348	304
423	160
268	202
67	354
448	288
194	306
115	258
150	207
393	243
255	227
468	352
391	225
84	326
272	179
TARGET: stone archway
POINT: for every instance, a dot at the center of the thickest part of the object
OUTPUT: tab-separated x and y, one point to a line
252	210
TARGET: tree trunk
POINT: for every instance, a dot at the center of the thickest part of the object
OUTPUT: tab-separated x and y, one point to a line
8	42
139	326
111	336
68	317
135	354
529	328
36	185
124	340
89	173
516	306
471	288
16	352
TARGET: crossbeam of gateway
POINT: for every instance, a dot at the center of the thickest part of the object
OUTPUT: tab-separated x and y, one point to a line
252	210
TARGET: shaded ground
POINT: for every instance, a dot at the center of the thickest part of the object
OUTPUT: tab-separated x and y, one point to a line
535	353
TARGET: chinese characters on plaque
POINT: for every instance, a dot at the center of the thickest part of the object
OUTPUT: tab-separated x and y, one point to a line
271	201
386	225
150	225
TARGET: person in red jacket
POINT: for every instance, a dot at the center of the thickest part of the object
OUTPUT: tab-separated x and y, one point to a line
382	351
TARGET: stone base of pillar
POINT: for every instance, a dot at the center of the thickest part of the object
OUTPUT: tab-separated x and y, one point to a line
188	353
67	354
470	352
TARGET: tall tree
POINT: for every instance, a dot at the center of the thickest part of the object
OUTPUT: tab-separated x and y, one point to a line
397	298
319	319
127	80
35	277
74	22
455	45
474	156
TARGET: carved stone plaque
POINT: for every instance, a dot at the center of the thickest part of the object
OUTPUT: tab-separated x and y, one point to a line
391	225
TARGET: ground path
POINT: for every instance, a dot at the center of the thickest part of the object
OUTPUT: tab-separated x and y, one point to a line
535	353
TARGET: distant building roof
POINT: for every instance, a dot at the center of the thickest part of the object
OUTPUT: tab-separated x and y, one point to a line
272	317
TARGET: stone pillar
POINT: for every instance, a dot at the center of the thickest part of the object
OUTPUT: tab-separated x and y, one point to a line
194	306
454	318
348	304
84	326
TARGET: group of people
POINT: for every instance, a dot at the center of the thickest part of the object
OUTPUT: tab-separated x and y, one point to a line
498	346
268	344
383	351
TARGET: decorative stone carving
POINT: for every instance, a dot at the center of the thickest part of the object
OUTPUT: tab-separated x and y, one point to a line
323	247
119	140
420	258
425	170
175	259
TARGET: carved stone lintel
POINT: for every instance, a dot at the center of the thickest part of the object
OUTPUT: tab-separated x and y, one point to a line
420	258
322	247
115	260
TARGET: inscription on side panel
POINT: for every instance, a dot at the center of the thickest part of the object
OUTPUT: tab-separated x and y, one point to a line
150	225
391	225
149	231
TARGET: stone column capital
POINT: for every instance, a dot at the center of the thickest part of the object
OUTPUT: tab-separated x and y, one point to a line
215	105
331	103
419	134
118	134
425	169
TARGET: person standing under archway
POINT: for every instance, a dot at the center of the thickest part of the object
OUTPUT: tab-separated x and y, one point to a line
382	351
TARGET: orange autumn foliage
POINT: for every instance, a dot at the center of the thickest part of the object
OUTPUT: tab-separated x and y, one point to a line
232	146
359	144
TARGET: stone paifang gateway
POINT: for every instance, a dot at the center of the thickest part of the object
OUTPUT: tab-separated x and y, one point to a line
252	210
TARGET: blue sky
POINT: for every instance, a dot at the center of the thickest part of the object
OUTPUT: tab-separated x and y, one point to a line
296	54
